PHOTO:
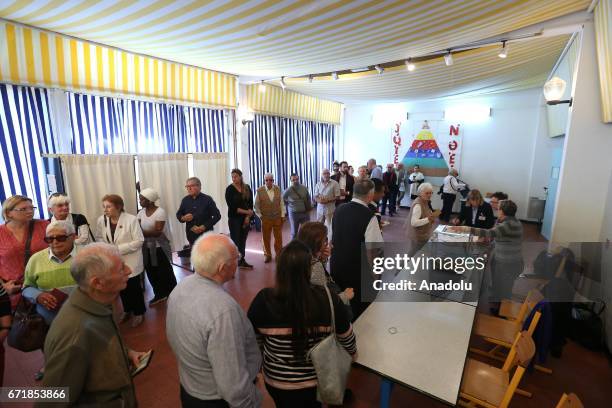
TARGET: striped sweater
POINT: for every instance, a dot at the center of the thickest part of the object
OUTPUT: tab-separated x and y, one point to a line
508	235
282	368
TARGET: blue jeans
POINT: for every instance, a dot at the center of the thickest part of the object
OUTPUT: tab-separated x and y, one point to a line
296	219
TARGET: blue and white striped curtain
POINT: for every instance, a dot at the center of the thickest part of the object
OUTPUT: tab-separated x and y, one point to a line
283	146
25	134
102	125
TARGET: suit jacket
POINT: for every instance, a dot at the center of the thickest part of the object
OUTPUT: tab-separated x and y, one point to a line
128	239
484	216
350	183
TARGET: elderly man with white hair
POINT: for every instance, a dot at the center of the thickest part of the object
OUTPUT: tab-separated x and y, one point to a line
211	336
270	208
47	278
84	350
327	191
59	207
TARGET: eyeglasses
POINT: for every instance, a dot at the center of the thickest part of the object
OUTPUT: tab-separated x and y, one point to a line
191	185
58	238
24	209
269	179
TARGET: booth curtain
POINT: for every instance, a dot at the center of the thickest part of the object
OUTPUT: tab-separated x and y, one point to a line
89	177
283	146
213	171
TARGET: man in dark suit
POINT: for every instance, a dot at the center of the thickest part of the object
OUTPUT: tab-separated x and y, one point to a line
391	190
346	182
354	224
197	210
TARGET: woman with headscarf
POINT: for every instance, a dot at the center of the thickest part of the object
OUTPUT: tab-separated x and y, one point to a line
156	251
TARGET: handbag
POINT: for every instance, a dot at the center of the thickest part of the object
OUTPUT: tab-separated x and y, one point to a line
332	364
29	329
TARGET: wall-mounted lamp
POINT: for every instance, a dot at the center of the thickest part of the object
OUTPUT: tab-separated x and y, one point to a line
249	117
553	92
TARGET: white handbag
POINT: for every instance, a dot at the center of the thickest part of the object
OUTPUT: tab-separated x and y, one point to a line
332	364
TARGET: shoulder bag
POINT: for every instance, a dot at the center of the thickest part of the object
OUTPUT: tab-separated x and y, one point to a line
332	364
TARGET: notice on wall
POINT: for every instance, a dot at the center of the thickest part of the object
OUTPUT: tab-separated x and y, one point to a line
435	145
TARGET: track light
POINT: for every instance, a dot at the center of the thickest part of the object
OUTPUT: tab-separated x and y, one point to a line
503	53
335	75
282	83
448	58
310	79
409	65
262	86
379	69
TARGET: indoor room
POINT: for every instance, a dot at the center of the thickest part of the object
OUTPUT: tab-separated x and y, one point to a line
306	203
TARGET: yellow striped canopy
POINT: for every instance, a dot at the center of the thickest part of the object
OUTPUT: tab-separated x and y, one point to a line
34	57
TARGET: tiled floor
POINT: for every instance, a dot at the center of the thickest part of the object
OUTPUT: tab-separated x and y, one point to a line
586	373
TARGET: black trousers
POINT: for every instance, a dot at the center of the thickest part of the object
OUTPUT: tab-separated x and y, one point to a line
300	398
238	233
161	276
391	199
132	297
447	206
187	401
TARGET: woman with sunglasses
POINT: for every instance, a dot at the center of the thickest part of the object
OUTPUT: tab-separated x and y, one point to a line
20	236
48	281
59	207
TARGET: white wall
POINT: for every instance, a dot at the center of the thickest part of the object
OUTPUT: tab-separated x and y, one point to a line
498	153
586	166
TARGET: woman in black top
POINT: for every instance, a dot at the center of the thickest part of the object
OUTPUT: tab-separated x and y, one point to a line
477	213
289	320
239	200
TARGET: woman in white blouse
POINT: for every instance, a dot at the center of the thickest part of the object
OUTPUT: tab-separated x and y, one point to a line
116	227
421	220
156	250
59	207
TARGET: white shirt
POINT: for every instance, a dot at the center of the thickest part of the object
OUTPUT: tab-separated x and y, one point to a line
415	178
416	220
451	185
329	191
148	223
372	233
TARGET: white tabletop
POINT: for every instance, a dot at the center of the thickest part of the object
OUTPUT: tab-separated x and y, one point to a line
420	344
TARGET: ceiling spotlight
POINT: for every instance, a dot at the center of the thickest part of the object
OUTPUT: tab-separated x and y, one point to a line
262	86
379	69
335	75
503	53
283	84
310	77
409	65
448	58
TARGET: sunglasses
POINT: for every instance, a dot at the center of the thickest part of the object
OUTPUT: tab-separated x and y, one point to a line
58	238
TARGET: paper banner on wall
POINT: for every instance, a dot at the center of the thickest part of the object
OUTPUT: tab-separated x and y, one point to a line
435	147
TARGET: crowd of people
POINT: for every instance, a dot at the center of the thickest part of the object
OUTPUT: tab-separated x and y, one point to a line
73	272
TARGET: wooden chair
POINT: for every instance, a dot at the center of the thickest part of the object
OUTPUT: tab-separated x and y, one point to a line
514	310
491	387
569	401
499	331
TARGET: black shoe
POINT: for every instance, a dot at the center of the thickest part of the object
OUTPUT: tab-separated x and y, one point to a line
244	264
157	300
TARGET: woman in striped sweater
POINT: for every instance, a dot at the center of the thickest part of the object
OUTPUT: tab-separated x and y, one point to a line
507	257
289	320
